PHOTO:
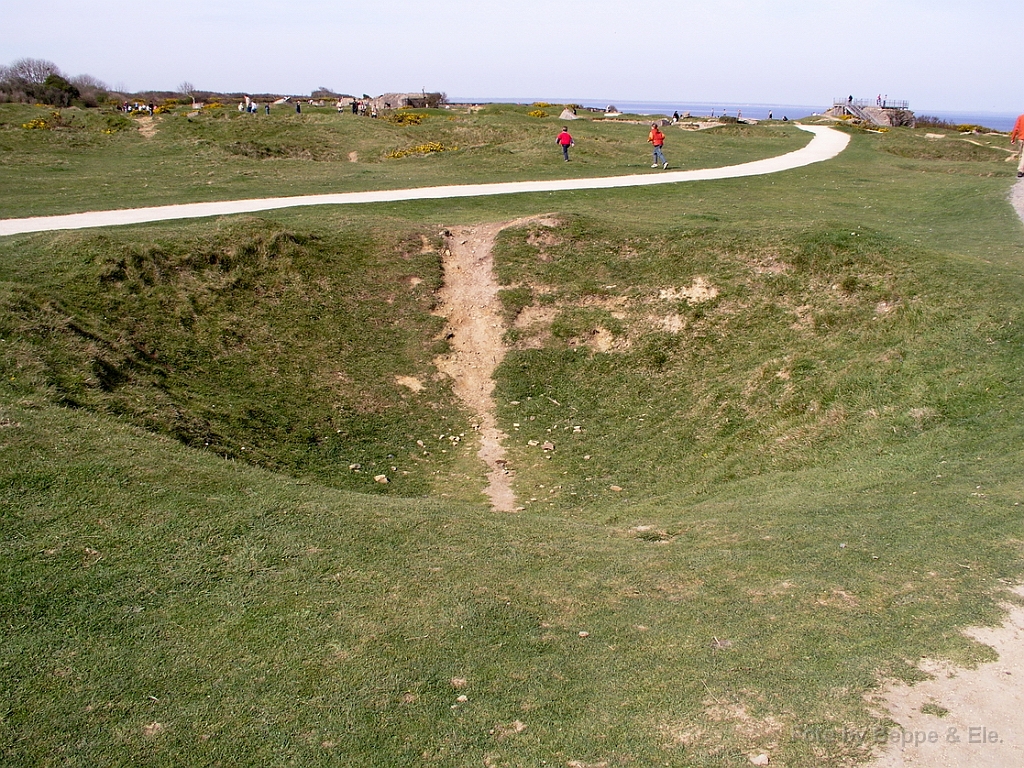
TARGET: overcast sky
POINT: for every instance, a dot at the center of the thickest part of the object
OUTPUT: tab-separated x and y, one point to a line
945	55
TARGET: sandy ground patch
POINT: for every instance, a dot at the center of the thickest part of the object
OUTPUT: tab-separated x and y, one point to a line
411	382
469	300
147	126
963	718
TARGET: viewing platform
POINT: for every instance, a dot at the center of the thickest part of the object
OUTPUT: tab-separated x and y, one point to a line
885	112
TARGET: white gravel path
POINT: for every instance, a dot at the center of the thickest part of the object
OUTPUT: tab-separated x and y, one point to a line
825	144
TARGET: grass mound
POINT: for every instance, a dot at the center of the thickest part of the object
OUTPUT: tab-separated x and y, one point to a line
244	339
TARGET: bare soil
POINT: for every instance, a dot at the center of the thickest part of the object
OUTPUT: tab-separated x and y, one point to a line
963	718
469	300
147	126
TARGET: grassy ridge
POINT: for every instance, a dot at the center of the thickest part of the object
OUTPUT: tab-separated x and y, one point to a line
805	387
830	346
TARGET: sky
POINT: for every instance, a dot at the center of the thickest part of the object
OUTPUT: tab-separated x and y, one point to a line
938	55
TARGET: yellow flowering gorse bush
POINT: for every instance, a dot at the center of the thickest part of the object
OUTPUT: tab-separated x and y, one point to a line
421	149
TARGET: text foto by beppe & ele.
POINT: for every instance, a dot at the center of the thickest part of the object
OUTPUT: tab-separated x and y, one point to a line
975	734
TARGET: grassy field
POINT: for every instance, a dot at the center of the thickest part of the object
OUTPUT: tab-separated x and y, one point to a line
786	413
85	161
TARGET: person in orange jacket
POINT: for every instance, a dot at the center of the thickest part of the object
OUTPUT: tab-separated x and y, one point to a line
657	138
1017	137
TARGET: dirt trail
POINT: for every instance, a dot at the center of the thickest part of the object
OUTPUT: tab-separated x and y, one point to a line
469	299
147	126
1017	198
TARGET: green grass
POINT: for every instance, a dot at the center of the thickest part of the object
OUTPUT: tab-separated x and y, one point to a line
226	155
817	462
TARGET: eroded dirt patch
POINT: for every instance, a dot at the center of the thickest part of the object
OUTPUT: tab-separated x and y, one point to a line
147	126
469	300
963	717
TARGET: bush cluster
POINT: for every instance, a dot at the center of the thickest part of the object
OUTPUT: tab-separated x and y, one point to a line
421	149
929	121
54	120
40	81
406	118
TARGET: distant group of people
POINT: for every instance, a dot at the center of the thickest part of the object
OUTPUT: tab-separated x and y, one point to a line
136	107
656	138
360	107
250	106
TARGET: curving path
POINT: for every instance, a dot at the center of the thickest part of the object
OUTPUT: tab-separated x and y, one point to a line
825	144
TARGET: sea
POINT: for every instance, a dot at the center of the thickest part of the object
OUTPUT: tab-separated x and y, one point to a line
998	121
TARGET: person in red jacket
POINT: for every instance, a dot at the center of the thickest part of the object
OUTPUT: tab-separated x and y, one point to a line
1017	137
565	141
657	138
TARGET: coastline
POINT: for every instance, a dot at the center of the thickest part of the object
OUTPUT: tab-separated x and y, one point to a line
999	121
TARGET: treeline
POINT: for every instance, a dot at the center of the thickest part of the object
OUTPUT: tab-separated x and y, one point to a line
37	81
41	81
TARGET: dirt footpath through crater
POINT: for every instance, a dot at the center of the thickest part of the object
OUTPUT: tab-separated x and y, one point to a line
469	300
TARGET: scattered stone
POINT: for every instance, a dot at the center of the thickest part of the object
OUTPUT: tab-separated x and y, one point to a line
761	759
615	488
584	633
355	467
462	699
382	479
548	446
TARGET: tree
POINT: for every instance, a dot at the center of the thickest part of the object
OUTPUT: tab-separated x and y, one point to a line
33	71
57	91
25	80
92	91
187	89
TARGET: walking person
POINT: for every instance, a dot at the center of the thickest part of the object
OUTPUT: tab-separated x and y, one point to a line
565	141
1017	137
657	138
